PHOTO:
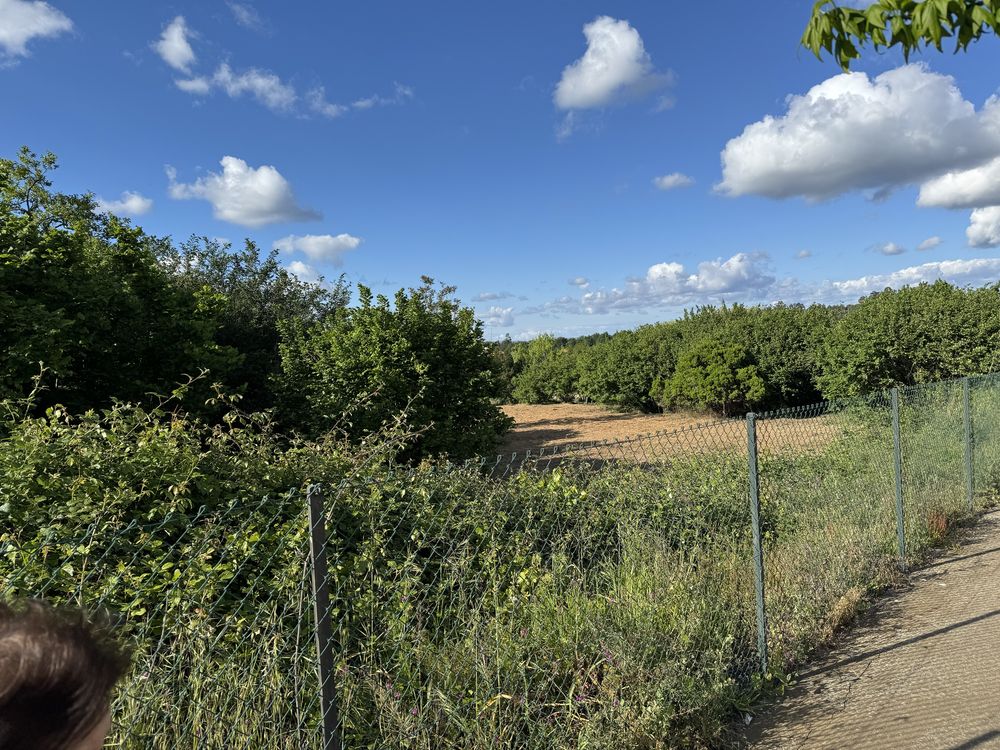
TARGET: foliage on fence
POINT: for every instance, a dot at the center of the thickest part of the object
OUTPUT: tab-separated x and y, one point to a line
598	594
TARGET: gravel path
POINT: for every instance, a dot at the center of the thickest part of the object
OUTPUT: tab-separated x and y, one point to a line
922	669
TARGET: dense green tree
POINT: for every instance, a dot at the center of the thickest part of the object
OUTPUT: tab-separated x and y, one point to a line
83	294
840	30
621	370
422	354
913	335
718	374
548	371
255	295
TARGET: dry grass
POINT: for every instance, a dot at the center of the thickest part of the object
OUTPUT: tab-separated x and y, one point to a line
547	426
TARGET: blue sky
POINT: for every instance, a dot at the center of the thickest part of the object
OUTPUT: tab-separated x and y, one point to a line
514	149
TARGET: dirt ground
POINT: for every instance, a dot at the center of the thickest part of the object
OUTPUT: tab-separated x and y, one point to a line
918	671
546	426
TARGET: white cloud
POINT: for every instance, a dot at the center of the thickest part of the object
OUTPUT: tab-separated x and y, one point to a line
266	87
319	247
969	188
802	255
246	15
24	20
174	47
615	66
744	277
303	271
243	195
316	98
851	132
984	227
889	248
491	296
930	243
581	281
130	204
499	316
975	272
400	95
199	85
672	180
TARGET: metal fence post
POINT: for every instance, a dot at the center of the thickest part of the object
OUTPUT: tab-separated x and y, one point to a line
969	476
897	455
758	553
324	631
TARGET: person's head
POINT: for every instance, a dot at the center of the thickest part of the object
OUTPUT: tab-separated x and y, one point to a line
57	671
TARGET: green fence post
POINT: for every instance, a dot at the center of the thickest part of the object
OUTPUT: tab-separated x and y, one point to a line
897	454
758	553
324	629
969	477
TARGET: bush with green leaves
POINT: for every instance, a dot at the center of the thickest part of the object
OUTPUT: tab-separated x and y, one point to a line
600	603
422	353
919	334
716	375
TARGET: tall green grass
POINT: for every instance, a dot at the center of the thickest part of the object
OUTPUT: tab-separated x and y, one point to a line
586	605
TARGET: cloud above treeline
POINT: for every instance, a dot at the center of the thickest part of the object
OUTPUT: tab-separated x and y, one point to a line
908	126
129	204
328	248
748	278
244	195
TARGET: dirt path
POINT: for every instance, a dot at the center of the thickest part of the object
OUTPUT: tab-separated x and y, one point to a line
921	671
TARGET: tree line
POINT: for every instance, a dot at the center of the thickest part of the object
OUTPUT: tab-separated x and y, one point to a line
97	311
731	359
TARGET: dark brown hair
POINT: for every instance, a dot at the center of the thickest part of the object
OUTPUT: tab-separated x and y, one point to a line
57	670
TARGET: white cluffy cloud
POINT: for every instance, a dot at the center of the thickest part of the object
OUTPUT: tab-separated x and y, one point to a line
615	66
973	272
24	20
977	188
673	180
930	243
243	195
803	254
319	247
264	86
303	271
984	227
502	317
173	45
744	276
851	132
889	248
130	204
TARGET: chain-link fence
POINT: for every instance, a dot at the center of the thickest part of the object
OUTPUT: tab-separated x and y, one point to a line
621	594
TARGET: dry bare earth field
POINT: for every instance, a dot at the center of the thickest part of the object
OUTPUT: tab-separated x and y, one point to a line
557	427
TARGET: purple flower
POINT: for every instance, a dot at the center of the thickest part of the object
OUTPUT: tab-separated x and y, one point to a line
414	711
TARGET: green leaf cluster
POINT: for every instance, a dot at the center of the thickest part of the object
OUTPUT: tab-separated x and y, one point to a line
421	354
908	24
